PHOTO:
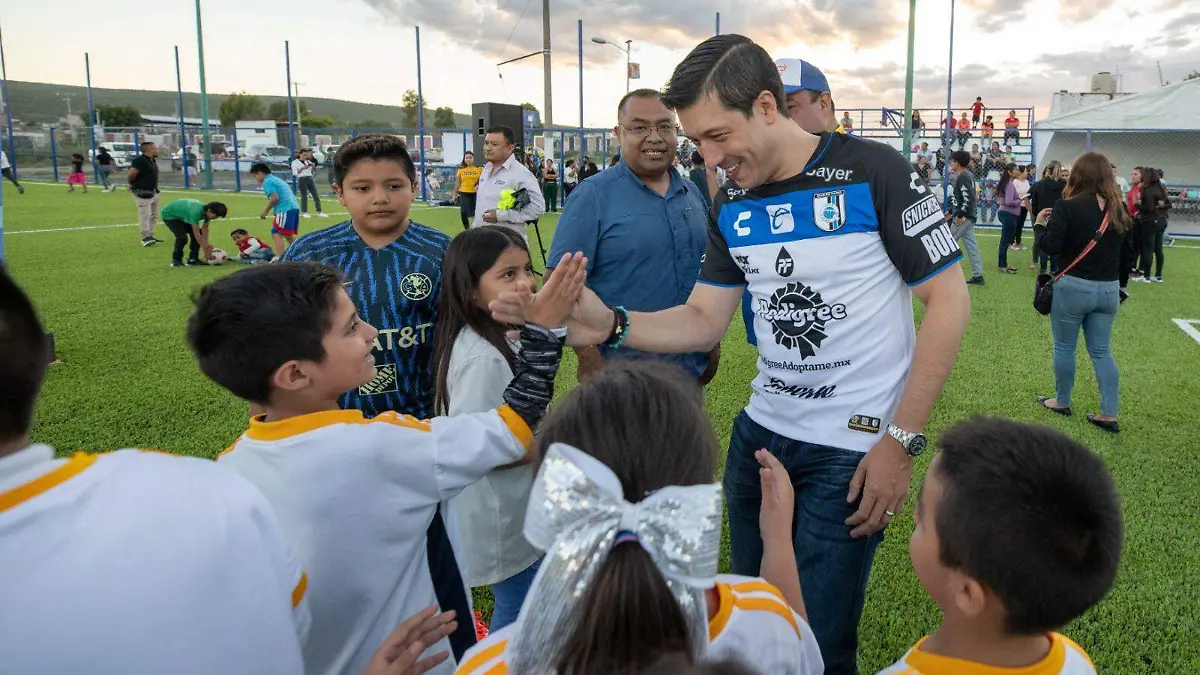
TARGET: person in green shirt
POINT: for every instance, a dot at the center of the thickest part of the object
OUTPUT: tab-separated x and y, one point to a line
188	219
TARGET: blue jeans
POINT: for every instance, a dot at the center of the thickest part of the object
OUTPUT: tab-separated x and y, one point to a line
510	595
1092	305
833	567
1008	234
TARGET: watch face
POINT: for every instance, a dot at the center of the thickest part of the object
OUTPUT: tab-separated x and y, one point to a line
916	447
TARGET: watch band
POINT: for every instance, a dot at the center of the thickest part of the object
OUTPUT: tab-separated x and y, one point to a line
904	437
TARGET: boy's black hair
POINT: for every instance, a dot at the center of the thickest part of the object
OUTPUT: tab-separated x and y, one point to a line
373	146
217	209
1032	515
260	167
24	355
145	144
507	132
961	157
239	231
730	66
250	323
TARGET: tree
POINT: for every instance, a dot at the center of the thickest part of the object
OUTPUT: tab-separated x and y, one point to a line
443	117
240	106
278	111
370	123
529	106
316	122
118	115
1194	75
408	108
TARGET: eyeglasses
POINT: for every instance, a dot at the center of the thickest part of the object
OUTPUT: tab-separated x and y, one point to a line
665	130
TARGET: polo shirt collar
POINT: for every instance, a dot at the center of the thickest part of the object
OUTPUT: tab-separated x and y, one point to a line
677	185
508	163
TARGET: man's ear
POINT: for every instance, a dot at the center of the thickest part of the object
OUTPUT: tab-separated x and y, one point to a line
291	376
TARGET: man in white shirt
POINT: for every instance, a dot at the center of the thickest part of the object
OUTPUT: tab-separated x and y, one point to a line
499	200
7	172
132	562
303	167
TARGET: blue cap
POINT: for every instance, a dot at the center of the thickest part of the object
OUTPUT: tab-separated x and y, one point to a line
800	75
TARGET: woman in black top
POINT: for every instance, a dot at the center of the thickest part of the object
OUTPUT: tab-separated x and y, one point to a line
1044	194
1087	294
1152	222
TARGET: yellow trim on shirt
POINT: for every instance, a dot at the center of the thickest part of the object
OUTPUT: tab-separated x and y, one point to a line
840	129
1071	644
300	589
768	605
64	472
498	669
517	425
399	420
936	664
761	587
482	658
293	426
724	610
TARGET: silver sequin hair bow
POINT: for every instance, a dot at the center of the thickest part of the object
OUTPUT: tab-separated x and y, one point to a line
576	510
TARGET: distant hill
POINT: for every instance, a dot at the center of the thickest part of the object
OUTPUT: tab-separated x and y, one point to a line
38	102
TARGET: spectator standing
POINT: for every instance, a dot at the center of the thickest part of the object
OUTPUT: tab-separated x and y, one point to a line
6	170
1012	131
143	183
570	179
1131	251
1153	204
977	110
104	163
1044	194
962	213
649	262
918	124
432	185
550	186
1121	181
809	101
76	177
1010	208
466	182
1021	183
503	178
698	174
1086	227
303	167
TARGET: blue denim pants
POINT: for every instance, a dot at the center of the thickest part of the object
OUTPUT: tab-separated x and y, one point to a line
1008	234
1091	305
833	566
510	595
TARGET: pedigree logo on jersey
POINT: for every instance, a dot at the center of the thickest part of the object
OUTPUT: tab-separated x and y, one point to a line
798	316
939	243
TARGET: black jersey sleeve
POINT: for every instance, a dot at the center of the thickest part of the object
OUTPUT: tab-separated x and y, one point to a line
718	267
915	234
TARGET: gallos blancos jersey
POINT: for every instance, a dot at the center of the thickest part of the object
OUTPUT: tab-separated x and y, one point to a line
1064	658
827	258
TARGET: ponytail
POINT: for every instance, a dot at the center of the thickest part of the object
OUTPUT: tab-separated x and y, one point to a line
628	619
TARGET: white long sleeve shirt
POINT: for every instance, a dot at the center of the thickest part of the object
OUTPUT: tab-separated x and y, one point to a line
511	175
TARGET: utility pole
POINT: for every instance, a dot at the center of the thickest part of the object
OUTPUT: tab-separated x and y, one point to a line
548	104
908	79
207	150
299	131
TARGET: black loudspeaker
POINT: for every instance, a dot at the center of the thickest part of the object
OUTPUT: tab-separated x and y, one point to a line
488	115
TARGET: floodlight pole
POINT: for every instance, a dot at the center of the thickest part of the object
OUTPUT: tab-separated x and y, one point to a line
207	133
908	78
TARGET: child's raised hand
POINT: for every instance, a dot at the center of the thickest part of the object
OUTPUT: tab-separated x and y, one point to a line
552	305
778	498
399	653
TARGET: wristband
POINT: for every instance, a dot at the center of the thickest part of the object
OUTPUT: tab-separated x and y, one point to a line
620	328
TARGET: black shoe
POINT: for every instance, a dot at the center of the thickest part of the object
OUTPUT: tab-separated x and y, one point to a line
196	262
976	280
1061	411
147	241
1124	296
21	191
157	240
176	263
1110	426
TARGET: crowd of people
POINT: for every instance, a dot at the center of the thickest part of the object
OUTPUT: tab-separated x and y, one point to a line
403	449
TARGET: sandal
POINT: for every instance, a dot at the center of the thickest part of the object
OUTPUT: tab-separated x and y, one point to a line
1110	426
1061	411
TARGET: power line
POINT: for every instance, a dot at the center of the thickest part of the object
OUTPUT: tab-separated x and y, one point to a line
514	29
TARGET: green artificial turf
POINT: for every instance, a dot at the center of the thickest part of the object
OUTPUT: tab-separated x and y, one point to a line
127	380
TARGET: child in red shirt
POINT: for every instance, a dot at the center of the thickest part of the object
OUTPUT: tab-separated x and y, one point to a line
977	110
250	249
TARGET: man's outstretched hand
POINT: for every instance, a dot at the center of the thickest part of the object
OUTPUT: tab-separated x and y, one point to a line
590	320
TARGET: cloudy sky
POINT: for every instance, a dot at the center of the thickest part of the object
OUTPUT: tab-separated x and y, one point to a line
1011	52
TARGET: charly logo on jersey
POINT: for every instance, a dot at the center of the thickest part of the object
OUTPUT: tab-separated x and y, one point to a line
939	243
416	286
383	383
783	263
798	316
782	220
915	183
921	216
829	210
743	261
737	224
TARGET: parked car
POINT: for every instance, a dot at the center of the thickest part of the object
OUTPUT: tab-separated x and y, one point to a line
271	154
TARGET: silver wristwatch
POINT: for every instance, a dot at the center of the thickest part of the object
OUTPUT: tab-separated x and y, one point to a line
914	443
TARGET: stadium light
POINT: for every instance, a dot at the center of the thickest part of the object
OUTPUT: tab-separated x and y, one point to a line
627	49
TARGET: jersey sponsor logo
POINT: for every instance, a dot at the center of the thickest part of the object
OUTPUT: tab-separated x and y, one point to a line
916	184
778	386
782	221
784	264
416	286
743	261
733	193
921	216
802	367
829	210
864	423
798	315
737	224
939	243
405	337
828	175
384	382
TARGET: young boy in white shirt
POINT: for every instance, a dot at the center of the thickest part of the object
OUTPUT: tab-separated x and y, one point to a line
1018	532
131	562
355	495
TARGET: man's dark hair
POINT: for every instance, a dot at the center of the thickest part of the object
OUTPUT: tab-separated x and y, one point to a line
978	98
697	158
637	93
732	68
373	147
250	323
24	355
260	167
239	231
1032	515
217	209
144	145
961	157
507	132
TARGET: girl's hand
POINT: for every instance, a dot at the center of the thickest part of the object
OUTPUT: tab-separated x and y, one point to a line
399	652
1044	215
552	305
778	498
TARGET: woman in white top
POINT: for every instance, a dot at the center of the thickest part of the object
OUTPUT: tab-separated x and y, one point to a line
1021	183
302	168
473	360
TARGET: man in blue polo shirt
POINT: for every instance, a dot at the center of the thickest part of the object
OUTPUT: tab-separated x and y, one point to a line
642	227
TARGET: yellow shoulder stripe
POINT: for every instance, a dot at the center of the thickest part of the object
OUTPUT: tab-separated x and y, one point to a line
300	589
759	587
765	605
517	425
403	421
22	493
498	669
481	658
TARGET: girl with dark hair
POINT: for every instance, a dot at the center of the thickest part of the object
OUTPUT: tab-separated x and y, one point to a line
466	183
473	364
1152	223
1010	210
625	585
1086	228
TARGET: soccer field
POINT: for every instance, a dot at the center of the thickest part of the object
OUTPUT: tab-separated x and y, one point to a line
127	379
